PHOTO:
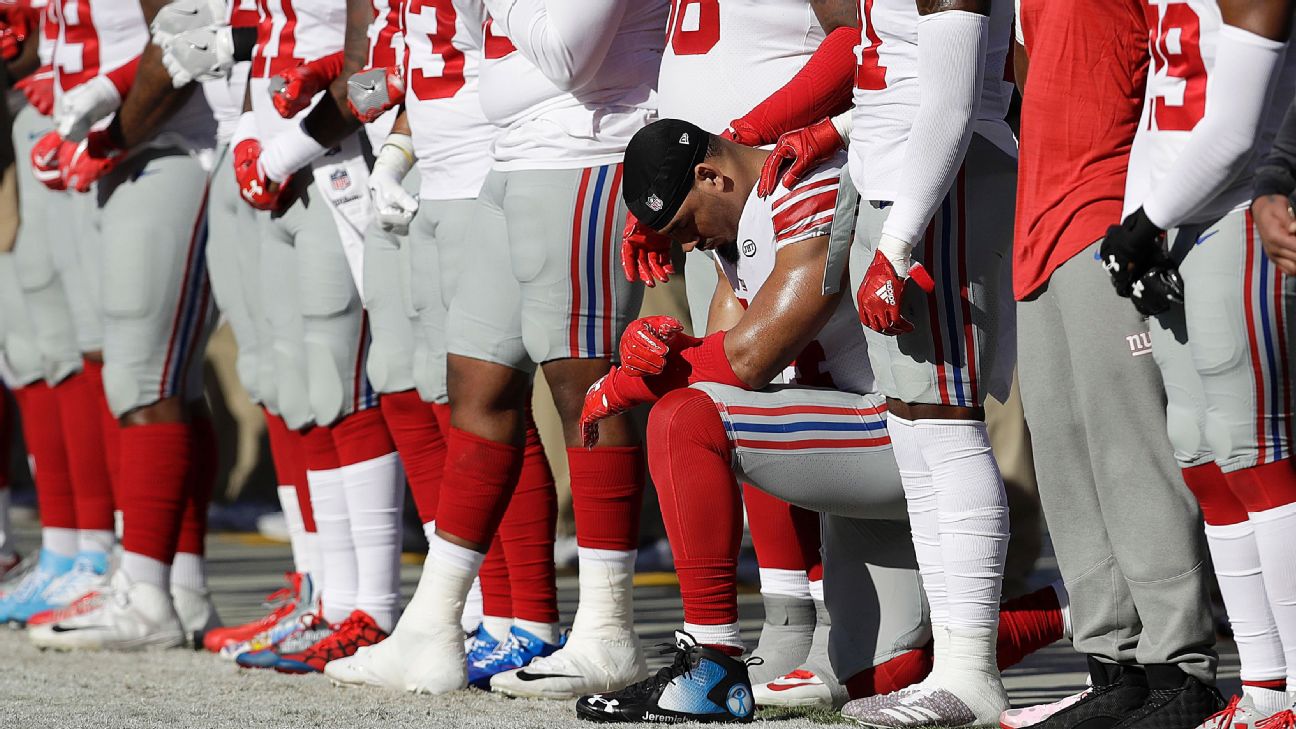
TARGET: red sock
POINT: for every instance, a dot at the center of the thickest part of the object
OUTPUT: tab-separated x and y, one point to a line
700	503
904	670
280	449
155	463
527	532
111	430
497	598
86	449
1264	487
421	444
1279	684
1028	623
1219	504
198	493
297	454
43	434
785	537
442	412
607	495
484	474
361	436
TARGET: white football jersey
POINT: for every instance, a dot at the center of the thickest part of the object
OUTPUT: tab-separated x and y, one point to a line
1182	37
838	356
452	137
724	57
291	32
386	42
225	96
887	92
545	127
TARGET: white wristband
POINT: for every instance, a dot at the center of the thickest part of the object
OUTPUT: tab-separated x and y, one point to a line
245	129
396	155
897	252
289	151
844	123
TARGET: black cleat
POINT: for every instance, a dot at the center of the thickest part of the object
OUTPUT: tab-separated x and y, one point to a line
702	685
1117	692
1175	701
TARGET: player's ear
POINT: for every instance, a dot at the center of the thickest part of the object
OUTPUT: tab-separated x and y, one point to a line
707	175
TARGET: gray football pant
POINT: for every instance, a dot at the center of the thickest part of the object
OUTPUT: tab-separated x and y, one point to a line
1127	531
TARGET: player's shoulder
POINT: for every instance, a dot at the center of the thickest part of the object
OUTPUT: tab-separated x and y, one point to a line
805	210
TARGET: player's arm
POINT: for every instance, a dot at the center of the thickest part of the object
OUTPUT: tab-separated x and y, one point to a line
566	39
1250	48
28	59
332	120
725	310
834	14
1275	182
152	99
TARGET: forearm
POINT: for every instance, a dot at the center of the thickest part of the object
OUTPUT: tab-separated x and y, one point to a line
823	87
331	120
152	100
566	39
1222	141
28	60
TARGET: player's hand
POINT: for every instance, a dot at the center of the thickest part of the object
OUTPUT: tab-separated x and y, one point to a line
91	159
1135	257
201	54
882	292
647	343
13	32
292	90
45	161
613	394
82	107
181	16
1277	228
742	132
38	87
373	91
394	206
254	187
796	153
645	253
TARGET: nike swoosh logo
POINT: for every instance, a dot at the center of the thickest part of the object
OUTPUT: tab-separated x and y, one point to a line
525	676
1204	236
62	629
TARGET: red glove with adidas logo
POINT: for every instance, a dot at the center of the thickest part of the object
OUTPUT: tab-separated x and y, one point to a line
880	295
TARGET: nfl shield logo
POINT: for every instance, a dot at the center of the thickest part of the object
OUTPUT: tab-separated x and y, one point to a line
340	180
655	203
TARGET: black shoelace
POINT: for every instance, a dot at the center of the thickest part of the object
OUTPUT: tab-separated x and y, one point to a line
682	665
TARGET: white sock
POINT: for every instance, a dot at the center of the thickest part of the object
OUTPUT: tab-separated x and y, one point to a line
296	526
62	542
472	614
973	514
497	626
606	606
971	672
189	571
1267	701
140	568
6	526
375	491
787	583
817	590
337	552
98	541
1237	570
548	632
727	634
1275	535
313	560
438	601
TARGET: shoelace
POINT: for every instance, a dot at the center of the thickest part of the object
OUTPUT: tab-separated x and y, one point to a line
1282	720
503	652
71	584
682	665
1224	718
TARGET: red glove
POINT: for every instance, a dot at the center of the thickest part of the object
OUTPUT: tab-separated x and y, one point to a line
803	149
253	185
14	26
880	295
613	394
744	132
45	161
38	87
90	160
373	91
647	343
292	90
645	253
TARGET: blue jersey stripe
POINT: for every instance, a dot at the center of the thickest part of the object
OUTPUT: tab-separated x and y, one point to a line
591	256
803	426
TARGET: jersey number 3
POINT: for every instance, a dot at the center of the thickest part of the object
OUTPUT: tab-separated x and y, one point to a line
1174	39
440	73
703	22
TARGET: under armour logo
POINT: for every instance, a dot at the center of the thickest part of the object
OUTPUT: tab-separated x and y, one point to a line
253	190
1111	265
886	292
684	138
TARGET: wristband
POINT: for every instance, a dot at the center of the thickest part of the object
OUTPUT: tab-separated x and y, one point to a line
396	155
844	123
244	40
710	362
289	151
245	129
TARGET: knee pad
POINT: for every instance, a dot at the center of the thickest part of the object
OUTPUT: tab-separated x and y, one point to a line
1231	435
389	366
123	389
430	373
23	358
329	391
291	393
1185	428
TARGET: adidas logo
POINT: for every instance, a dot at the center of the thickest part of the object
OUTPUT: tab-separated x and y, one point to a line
886	292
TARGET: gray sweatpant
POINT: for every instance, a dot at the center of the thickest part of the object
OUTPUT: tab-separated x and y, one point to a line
1126	529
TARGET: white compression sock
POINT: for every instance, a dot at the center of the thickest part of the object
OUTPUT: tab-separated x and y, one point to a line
60	541
727	634
1275	536
472	614
313	564
337	552
816	590
606	593
99	541
189	571
1267	701
146	569
448	573
296	526
497	625
1241	582
375	491
787	583
548	632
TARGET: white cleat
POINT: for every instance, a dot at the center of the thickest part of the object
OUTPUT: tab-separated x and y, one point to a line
424	662
133	616
196	611
799	688
584	666
1241	713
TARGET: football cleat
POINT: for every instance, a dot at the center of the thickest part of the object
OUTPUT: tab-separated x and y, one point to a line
134	616
197	613
1241	713
88	574
9	569
27	593
785	637
357	631
799	688
312	629
516	651
583	666
702	684
424	660
1189	703
279	624
480	644
80	606
281	603
1031	715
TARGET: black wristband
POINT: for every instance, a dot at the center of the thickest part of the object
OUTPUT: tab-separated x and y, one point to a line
244	40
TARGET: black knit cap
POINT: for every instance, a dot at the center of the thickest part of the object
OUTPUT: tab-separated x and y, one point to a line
659	164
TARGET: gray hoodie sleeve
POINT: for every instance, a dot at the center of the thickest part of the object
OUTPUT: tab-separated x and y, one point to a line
1276	174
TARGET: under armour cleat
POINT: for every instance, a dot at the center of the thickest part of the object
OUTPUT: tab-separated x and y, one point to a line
702	685
134	616
519	649
1028	716
312	630
357	631
281	603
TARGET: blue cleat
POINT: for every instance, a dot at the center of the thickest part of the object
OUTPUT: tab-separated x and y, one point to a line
89	574
515	651
480	644
48	569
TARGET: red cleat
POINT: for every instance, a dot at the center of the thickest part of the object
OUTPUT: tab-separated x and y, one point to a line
282	603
